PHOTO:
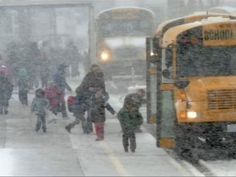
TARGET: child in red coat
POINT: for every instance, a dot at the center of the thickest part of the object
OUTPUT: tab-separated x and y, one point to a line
54	96
97	112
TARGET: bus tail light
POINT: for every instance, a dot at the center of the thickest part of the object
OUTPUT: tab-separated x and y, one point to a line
183	115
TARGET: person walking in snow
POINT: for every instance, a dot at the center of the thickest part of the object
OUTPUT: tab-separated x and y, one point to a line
6	88
54	96
136	100
23	86
130	119
92	82
39	106
59	80
97	112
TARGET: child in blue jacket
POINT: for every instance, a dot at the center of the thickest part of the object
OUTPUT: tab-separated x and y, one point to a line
39	105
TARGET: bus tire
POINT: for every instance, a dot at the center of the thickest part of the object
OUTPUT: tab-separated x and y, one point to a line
186	145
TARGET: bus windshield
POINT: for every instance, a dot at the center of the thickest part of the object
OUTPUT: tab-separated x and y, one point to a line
205	61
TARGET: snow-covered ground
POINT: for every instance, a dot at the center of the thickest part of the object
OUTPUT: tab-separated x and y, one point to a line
221	167
24	152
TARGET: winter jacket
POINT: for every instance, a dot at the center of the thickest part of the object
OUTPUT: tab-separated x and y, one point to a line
39	105
54	96
83	91
6	89
129	120
23	84
60	81
92	80
98	106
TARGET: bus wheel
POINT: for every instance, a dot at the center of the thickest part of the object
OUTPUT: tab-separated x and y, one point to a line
186	145
231	144
214	135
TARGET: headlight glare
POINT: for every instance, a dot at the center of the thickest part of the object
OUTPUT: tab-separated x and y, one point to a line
191	114
105	56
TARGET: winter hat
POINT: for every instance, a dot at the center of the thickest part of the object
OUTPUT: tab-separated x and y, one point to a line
3	70
95	68
39	92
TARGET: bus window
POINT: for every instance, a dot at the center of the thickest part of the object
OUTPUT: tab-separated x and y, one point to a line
202	61
167	68
169	57
233	62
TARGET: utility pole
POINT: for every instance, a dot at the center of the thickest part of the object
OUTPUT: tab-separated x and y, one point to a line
92	37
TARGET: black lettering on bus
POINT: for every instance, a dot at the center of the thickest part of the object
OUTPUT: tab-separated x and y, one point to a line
218	35
206	35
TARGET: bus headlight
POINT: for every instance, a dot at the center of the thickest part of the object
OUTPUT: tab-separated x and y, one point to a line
105	56
191	114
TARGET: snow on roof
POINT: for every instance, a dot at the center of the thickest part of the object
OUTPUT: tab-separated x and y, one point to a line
125	7
40	2
223	9
196	16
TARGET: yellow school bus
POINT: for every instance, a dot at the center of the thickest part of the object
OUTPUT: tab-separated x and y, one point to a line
120	43
197	89
152	76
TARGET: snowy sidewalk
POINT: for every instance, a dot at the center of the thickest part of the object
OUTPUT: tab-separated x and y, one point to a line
24	152
109	159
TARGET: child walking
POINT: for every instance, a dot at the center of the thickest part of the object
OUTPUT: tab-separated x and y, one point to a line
97	112
130	119
39	106
54	96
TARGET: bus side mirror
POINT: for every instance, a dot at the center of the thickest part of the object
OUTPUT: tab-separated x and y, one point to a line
182	83
166	73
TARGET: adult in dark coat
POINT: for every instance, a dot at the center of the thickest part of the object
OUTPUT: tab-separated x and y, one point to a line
59	80
92	82
6	89
23	86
